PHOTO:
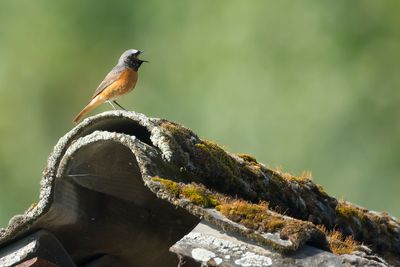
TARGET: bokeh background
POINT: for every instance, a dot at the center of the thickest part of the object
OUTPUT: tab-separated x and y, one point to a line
302	85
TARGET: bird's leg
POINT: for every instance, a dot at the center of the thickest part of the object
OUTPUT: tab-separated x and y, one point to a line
116	103
109	102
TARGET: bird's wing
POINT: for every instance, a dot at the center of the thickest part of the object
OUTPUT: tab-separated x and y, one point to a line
111	77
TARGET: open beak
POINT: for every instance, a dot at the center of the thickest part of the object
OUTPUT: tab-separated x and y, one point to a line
137	56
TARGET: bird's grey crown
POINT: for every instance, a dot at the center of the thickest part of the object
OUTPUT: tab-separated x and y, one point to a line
130	59
126	54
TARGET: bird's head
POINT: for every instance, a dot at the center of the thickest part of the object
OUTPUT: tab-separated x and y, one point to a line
131	59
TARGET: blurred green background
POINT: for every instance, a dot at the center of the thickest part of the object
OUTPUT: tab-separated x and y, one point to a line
305	85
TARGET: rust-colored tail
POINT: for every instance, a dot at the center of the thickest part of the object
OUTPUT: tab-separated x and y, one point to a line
89	107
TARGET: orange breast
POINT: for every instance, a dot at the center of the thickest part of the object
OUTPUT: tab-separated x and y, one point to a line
125	84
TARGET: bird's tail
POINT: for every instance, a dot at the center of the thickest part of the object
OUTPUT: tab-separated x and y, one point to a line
89	107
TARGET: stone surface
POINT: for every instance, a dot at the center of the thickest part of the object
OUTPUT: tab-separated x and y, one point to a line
38	249
102	178
211	247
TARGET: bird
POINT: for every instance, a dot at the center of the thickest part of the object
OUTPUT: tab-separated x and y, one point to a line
119	81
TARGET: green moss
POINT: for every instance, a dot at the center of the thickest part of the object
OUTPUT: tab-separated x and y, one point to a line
218	169
178	131
280	173
347	211
250	215
199	195
210	148
248	158
257	217
322	190
253	216
196	193
305	176
221	171
275	225
171	186
215	168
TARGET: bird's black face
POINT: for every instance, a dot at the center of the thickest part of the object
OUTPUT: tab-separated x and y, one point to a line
133	61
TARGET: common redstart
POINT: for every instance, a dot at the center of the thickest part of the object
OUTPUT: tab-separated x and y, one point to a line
119	81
